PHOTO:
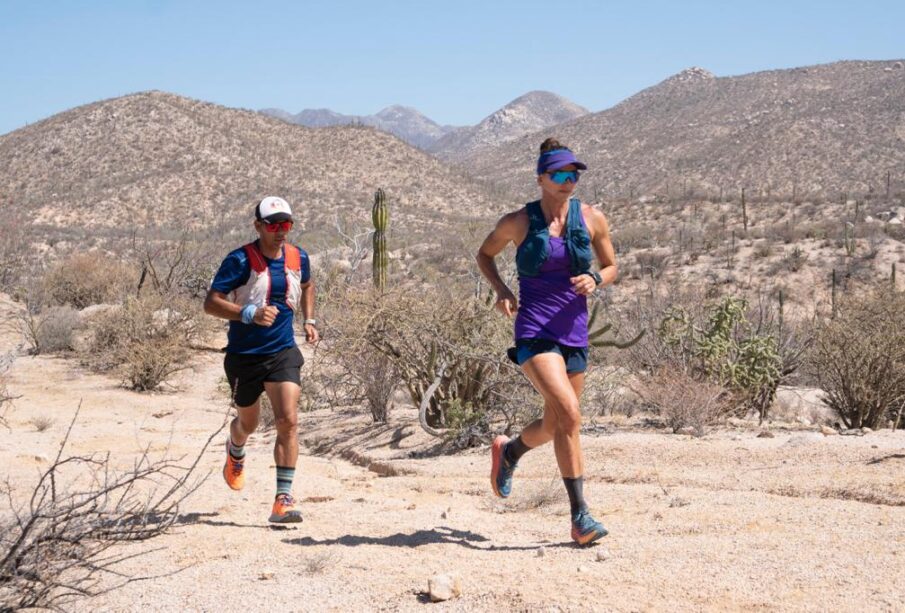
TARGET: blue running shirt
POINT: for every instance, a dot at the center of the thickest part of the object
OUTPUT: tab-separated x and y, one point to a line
234	272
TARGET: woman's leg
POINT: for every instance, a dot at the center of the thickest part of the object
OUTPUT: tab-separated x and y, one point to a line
547	373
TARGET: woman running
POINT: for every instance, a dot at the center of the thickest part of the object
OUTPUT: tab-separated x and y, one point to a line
557	238
259	288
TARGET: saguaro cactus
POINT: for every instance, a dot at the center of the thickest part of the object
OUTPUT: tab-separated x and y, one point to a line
380	216
848	237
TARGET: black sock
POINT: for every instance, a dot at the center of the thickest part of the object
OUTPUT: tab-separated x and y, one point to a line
575	489
515	449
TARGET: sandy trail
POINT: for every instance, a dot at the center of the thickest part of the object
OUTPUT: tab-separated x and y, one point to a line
726	522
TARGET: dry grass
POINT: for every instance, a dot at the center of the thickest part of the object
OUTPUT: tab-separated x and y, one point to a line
42	422
320	562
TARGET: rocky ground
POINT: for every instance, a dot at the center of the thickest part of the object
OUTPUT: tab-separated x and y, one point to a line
730	521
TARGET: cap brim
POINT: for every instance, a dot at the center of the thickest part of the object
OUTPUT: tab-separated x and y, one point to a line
276	217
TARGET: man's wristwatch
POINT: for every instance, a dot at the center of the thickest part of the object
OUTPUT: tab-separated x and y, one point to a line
596	276
313	322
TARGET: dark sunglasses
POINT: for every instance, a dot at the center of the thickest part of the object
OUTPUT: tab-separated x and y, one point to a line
284	226
561	176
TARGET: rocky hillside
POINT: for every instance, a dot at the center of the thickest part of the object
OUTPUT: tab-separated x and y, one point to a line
158	159
818	130
526	114
405	122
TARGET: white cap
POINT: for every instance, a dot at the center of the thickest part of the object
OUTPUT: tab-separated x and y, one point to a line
273	209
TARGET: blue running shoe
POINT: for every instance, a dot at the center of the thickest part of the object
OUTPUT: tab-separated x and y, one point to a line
501	469
586	529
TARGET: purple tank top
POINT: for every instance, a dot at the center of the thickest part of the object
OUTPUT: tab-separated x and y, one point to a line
548	306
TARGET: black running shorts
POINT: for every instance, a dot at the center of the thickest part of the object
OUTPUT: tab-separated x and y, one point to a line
247	372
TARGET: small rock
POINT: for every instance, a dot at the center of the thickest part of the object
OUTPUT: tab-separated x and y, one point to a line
444	587
765	434
411	507
583	569
827	431
602	555
444	515
689	430
41	458
866	430
265	576
541	551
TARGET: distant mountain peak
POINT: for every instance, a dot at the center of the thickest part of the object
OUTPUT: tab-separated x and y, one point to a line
530	112
694	74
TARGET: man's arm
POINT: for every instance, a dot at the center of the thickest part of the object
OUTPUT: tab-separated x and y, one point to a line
311	333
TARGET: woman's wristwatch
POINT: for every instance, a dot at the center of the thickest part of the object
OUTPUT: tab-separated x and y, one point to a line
309	321
596	276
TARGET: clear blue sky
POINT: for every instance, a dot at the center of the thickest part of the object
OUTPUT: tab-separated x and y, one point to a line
454	61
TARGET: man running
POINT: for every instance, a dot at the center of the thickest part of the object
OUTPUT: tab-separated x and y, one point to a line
259	288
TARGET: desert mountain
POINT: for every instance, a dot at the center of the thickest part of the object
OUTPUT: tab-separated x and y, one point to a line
526	114
821	129
155	158
405	122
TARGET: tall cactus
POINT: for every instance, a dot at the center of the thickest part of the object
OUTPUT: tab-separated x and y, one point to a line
380	216
848	238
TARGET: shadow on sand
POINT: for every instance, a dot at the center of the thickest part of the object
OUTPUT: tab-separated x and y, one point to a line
440	535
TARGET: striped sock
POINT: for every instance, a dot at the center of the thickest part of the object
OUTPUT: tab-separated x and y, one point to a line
235	451
285	475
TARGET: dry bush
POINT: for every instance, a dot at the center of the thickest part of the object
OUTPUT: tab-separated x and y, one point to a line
59	546
6	362
633	236
146	340
683	400
51	330
651	263
14	249
858	358
84	279
183	264
437	335
794	260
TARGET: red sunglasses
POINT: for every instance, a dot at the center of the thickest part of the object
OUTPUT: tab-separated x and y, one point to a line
284	226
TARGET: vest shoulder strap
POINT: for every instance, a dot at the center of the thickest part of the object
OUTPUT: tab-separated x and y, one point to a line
536	219
255	258
293	258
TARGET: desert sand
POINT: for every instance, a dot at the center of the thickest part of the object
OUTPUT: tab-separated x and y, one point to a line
729	521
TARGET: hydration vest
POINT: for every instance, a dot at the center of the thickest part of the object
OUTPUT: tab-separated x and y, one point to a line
534	250
256	290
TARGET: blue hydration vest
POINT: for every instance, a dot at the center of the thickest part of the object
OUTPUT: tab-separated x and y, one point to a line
534	250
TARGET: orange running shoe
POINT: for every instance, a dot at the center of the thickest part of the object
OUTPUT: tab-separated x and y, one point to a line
284	511
233	472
